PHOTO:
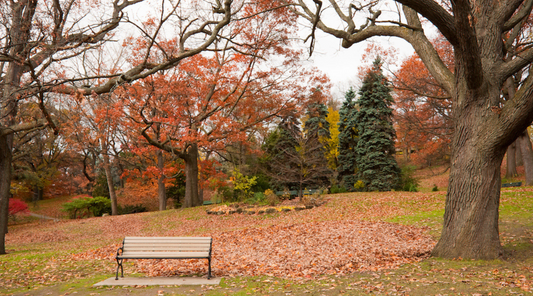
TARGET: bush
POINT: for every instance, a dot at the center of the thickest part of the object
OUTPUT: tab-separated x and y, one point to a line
225	193
99	206
359	185
271	198
242	185
262	183
435	188
313	200
407	180
17	207
77	208
338	189
258	198
86	206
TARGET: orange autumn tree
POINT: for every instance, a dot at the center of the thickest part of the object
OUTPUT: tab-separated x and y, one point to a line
423	119
92	129
214	100
192	110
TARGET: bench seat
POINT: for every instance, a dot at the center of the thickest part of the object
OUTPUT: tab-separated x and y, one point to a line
164	248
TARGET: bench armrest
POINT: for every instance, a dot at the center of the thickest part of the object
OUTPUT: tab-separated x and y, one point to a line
120	250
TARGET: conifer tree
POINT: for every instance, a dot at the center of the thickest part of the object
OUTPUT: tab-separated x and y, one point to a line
377	166
347	141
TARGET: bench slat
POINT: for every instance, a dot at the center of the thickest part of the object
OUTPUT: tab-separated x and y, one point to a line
169	245
159	247
182	239
164	255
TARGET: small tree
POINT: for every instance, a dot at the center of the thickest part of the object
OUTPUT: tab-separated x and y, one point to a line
316	129
294	160
348	136
377	166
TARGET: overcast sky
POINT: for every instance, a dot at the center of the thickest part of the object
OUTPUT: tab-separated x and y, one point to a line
341	64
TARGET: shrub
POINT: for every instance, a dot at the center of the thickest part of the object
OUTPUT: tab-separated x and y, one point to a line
338	189
435	188
17	207
242	185
359	185
258	198
271	198
85	206
407	180
313	200
77	208
225	193
262	183
99	206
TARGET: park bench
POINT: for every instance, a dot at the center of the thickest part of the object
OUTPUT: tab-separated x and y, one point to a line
515	184
164	248
295	192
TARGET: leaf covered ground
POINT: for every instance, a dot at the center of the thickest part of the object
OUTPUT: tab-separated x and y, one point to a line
354	244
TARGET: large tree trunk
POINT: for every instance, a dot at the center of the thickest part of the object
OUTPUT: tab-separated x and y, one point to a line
110	184
191	178
524	143
161	192
470	227
511	161
6	145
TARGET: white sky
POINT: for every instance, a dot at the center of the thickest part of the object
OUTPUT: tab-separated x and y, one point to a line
341	64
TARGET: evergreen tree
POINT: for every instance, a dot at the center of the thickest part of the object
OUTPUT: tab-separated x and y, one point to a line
317	134
348	137
377	166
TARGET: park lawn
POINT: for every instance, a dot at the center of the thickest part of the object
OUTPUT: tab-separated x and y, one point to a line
68	257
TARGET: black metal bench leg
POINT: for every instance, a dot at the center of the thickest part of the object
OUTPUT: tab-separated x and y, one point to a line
119	265
209	271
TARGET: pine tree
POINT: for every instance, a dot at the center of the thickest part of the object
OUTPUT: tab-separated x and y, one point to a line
348	137
377	166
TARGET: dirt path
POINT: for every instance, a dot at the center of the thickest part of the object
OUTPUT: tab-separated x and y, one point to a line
43	217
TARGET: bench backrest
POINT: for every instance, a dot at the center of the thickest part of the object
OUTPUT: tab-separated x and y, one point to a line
170	244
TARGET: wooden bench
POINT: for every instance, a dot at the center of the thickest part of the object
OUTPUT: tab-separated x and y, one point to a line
515	184
295	192
164	248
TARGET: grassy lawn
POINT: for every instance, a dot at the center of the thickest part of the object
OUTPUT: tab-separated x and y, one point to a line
41	261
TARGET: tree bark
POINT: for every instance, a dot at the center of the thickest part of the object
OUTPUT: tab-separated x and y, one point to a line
6	146
519	155
527	156
511	161
110	185
471	215
161	192
191	177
